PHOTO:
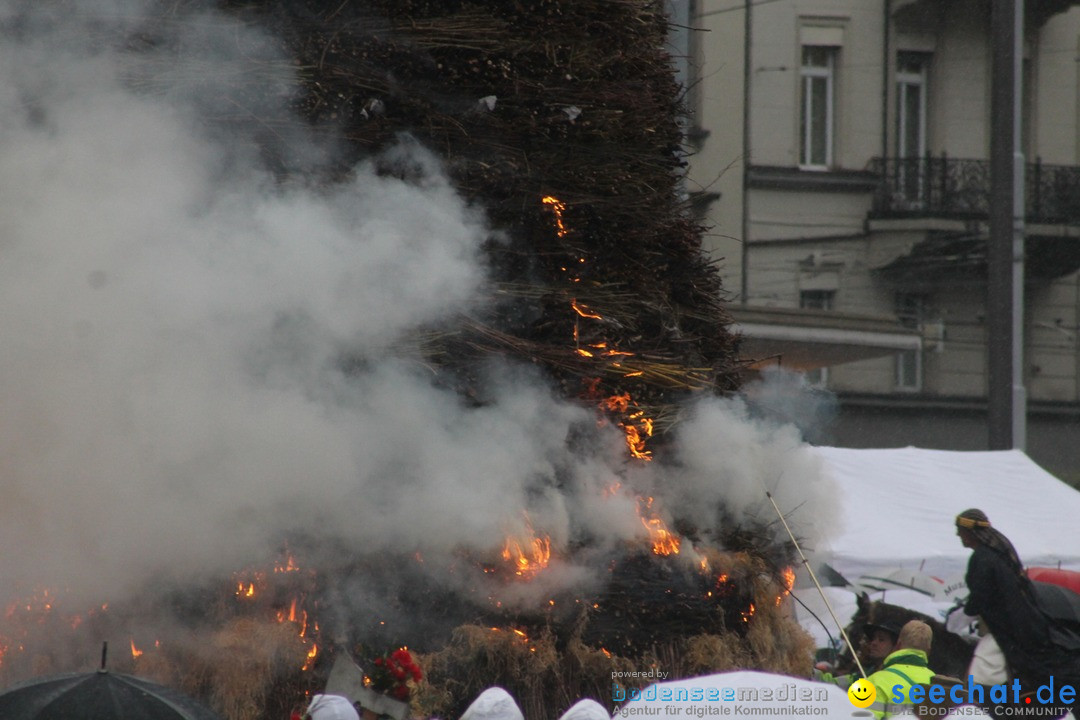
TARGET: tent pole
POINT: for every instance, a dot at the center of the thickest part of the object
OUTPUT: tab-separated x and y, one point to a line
806	564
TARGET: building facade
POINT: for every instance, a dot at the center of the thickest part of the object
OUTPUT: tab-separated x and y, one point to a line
841	160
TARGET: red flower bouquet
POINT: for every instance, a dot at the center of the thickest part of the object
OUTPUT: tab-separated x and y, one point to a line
394	674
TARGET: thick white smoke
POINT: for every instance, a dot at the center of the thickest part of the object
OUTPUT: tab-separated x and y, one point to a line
172	392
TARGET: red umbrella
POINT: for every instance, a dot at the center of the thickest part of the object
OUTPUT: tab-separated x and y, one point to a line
1069	579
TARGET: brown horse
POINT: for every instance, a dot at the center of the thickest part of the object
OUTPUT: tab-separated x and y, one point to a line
950	654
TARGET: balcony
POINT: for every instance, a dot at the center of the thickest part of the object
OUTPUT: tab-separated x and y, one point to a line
957	189
950	199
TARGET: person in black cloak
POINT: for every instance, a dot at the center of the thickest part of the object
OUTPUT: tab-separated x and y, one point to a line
1000	592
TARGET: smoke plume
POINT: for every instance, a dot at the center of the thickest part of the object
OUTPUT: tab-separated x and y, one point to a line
201	358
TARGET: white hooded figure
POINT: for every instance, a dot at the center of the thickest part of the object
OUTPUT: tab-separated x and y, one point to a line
493	704
586	710
331	707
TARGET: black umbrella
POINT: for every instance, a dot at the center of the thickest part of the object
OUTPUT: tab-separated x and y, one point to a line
1059	602
100	695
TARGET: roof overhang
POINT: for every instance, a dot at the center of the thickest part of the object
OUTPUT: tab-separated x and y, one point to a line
811	339
948	258
1036	12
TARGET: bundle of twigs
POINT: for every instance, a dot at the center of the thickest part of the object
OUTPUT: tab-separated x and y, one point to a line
571	101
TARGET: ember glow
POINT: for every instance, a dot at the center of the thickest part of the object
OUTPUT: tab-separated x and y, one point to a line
519	635
557	207
636	426
584	311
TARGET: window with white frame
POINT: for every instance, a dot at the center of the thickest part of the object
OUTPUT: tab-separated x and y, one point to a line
817	300
911	311
911	97
817	79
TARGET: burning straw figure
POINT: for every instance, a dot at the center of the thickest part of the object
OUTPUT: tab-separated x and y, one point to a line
1035	645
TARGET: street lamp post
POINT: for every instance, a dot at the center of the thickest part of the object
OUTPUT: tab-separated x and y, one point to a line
1006	395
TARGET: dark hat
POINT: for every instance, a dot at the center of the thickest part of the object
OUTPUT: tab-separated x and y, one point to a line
889	627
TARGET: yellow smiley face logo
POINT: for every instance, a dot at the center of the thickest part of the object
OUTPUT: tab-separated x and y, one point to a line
862	693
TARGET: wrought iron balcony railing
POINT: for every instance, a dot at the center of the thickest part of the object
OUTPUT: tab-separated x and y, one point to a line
955	188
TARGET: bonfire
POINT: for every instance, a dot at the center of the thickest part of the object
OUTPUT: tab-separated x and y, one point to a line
562	121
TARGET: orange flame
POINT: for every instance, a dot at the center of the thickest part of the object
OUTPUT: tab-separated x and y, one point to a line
617	403
663	541
636	435
310	658
528	556
530	559
637	427
135	652
788	580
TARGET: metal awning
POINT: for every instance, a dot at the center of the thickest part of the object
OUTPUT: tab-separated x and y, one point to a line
810	339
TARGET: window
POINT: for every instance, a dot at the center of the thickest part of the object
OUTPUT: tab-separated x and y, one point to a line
817	300
816	106
911	77
911	311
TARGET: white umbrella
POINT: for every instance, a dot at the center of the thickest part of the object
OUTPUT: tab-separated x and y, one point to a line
903	578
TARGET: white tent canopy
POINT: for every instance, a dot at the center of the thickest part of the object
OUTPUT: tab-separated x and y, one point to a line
897	509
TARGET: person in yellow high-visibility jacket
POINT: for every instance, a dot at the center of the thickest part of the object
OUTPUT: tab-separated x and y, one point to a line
904	668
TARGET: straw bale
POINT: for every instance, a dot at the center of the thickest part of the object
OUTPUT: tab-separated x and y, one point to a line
236	669
705	654
477	658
